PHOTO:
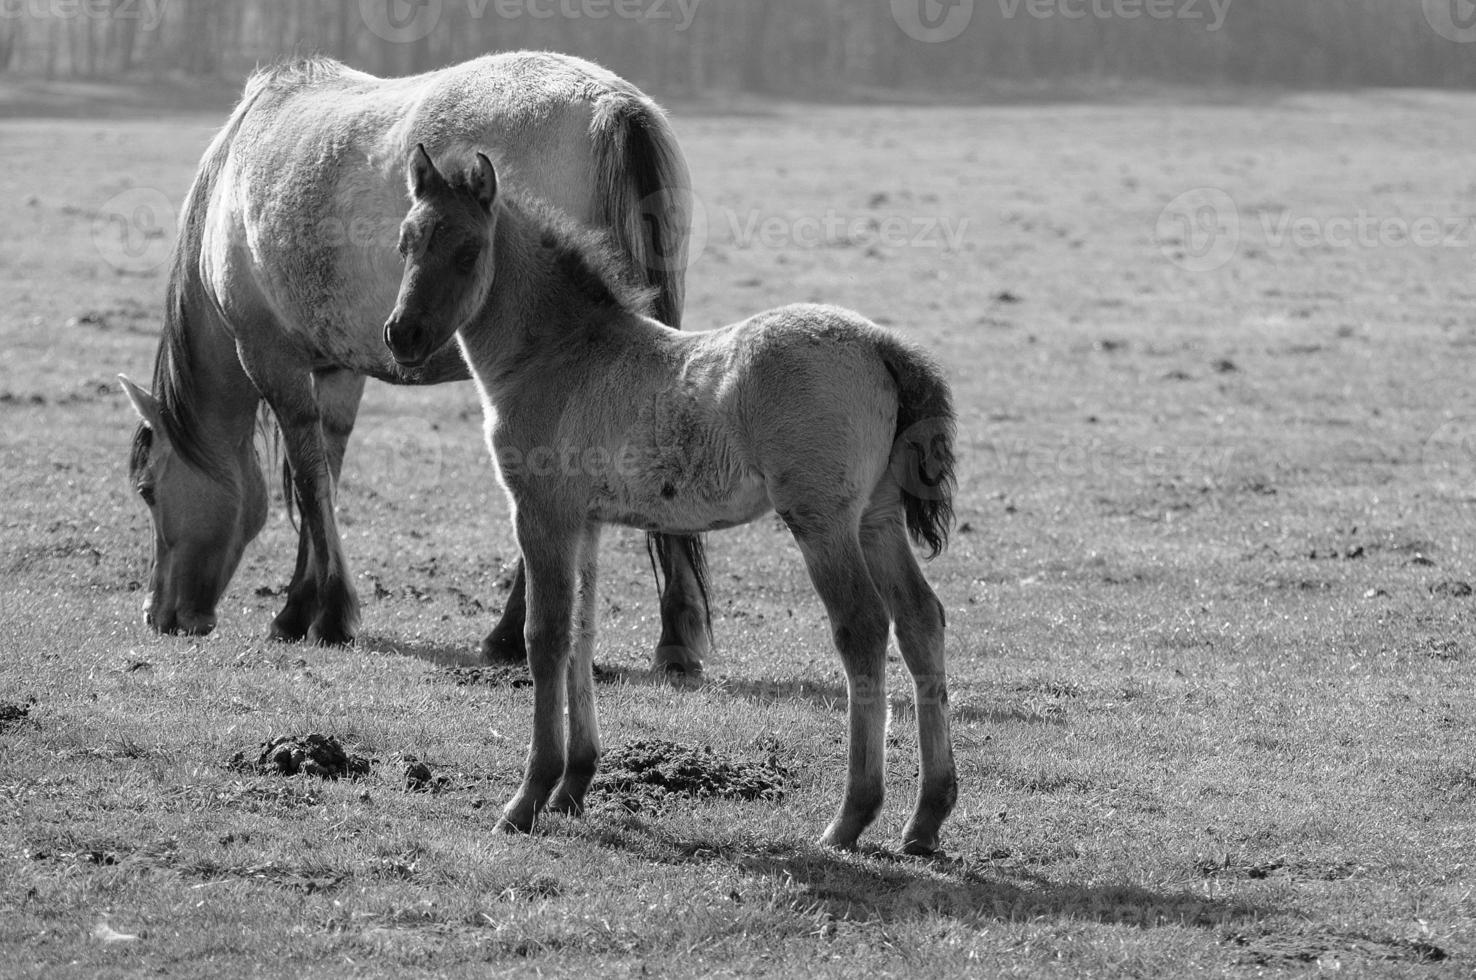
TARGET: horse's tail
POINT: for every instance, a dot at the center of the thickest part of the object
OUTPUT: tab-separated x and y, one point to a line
645	192
923	461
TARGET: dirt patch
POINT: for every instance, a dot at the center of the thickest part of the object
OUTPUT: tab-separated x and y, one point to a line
1279	950
15	715
512	676
421	778
491	676
308	879
648	775
1452	589
1229	866
322	756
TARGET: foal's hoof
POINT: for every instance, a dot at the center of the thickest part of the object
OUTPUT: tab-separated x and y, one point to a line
564	803
838	842
923	849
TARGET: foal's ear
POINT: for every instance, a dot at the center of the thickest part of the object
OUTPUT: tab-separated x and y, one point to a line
484	182
145	404
421	173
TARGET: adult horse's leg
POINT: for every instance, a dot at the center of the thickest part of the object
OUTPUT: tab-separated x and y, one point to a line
583	756
686	635
920	626
338	395
290	391
504	645
859	624
551	553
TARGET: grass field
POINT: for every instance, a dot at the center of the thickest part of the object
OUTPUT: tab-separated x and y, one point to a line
1212	633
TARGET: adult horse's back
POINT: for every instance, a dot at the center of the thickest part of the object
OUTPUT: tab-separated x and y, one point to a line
287	267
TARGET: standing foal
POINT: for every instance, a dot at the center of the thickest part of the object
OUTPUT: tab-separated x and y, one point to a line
598	414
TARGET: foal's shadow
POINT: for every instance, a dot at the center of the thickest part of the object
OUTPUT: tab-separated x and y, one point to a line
439	654
831	696
892	888
464	656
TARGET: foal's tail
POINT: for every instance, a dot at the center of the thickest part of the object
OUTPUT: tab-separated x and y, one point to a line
646	192
922	461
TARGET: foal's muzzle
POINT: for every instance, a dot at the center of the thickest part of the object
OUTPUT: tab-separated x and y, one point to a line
408	342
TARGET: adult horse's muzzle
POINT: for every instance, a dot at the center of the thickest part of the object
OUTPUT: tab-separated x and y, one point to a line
409	343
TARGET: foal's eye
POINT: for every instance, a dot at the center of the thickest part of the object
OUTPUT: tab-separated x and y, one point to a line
146	492
466	259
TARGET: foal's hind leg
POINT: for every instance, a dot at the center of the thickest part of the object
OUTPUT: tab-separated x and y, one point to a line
859	623
920	624
338	396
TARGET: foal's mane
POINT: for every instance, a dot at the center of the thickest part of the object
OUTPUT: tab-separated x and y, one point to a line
588	259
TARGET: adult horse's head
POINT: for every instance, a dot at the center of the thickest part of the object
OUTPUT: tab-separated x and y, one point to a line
203	519
446	241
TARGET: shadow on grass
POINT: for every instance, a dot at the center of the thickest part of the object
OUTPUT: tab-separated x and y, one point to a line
831	696
439	654
880	885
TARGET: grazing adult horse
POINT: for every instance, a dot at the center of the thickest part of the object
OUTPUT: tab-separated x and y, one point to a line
284	273
811	411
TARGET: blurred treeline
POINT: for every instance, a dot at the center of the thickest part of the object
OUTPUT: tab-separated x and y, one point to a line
816	48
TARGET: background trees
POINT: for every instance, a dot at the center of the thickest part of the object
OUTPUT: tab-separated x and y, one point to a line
814	48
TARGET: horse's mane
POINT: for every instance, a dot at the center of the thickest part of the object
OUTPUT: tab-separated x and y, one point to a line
291	72
589	259
174	381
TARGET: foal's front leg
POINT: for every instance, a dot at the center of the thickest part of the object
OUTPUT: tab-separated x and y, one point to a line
583	756
550	554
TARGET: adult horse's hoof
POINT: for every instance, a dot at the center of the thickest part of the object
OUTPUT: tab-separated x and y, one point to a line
504	648
677	662
290	626
328	634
